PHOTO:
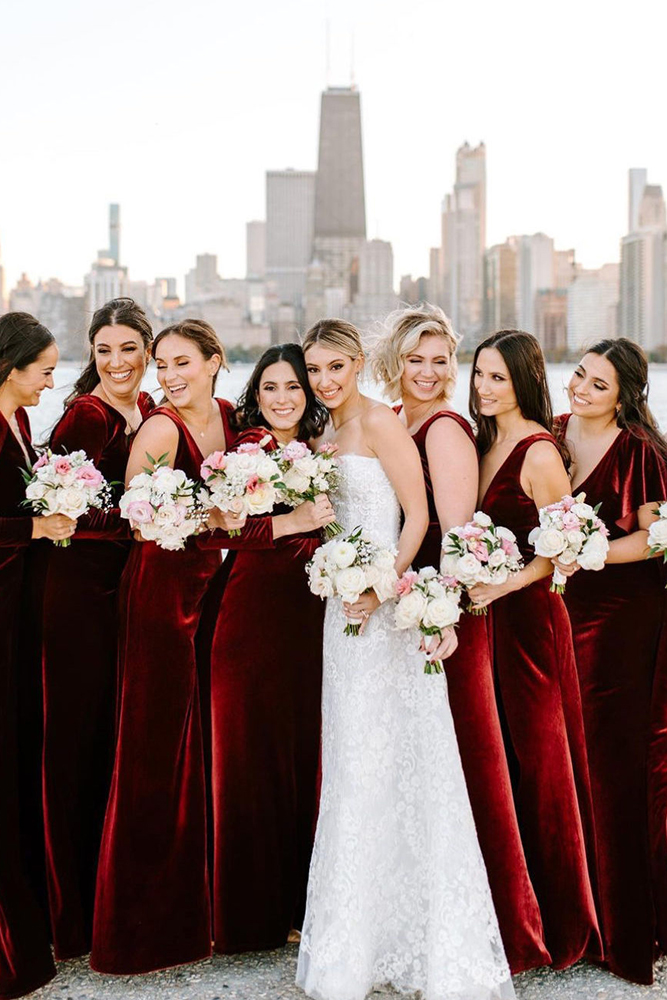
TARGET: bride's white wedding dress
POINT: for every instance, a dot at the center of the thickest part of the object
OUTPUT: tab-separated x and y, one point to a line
397	891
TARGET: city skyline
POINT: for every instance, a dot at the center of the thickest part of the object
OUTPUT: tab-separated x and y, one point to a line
182	143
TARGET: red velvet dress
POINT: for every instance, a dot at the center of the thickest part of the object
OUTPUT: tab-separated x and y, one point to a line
80	675
266	685
473	703
152	907
539	698
616	616
25	956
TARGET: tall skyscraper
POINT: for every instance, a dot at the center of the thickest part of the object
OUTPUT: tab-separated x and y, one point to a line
643	280
637	177
114	233
375	296
255	249
290	210
500	280
107	279
203	280
536	271
340	205
464	242
592	306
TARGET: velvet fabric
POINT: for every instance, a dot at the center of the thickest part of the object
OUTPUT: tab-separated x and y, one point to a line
265	704
25	956
80	675
539	700
617	616
152	907
472	699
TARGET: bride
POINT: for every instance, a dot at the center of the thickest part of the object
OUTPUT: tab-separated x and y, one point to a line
397	893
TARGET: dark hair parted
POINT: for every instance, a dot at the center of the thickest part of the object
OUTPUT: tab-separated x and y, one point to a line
200	333
22	340
523	356
631	369
117	312
248	413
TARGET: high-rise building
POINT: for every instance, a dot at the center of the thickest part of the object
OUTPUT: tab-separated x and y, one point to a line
592	306
551	321
500	277
536	271
636	183
643	278
107	279
290	210
375	296
59	307
202	280
464	243
255	249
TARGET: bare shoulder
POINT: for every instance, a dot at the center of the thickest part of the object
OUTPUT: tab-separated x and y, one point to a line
448	433
543	457
158	428
380	420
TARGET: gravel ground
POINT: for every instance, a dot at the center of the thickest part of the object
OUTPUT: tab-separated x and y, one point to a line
270	976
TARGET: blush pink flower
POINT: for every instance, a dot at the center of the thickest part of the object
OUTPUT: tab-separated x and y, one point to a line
570	521
508	547
89	475
62	466
295	450
213	463
406	583
472	531
41	461
140	511
252	484
480	551
249	448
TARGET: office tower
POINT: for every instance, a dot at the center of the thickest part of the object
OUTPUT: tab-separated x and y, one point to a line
340	207
202	280
551	321
435	277
107	279
643	278
592	306
636	184
500	279
255	249
375	296
464	242
536	271
290	209
114	233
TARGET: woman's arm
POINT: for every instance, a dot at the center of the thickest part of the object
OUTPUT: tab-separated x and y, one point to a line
454	470
634	547
157	437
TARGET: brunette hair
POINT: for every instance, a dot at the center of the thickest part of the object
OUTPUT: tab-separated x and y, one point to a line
22	340
523	356
116	312
404	328
631	369
337	335
203	335
248	413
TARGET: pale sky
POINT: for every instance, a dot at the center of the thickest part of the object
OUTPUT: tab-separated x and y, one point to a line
176	110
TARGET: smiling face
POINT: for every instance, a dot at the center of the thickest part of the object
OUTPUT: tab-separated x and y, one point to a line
121	361
427	370
593	390
332	375
493	384
183	372
281	398
27	384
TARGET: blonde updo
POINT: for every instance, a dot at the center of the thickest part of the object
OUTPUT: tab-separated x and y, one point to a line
402	331
335	335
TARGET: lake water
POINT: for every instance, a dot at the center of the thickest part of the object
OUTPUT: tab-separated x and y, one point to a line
44	416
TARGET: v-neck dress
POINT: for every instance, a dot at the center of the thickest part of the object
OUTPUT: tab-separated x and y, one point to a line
152	907
617	615
538	693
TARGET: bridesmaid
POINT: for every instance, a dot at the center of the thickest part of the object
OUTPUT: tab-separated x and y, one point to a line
521	470
619	458
80	677
28	356
152	906
417	362
266	686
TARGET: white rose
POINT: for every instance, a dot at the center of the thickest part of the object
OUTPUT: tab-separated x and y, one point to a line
467	570
662	509
657	533
499	575
322	586
482	519
167	515
72	501
410	609
384	560
441	612
448	562
342	554
350	583
549	543
306	466
497	558
267	469
594	552
171	540
436	589
293	480
575	539
36	491
166	480
386	585
583	510
261	500
427	573
505	533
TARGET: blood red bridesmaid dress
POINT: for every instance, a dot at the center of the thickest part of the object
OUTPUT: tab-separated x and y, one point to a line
266	683
152	907
539	698
616	616
25	956
473	702
80	675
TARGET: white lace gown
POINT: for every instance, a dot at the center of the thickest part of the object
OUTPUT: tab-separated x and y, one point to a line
397	892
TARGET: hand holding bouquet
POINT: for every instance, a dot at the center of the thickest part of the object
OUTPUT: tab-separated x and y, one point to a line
480	552
245	481
306	475
347	567
164	506
657	533
66	484
571	532
429	602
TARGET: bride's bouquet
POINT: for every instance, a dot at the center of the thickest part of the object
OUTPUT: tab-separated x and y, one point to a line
306	474
657	533
571	531
429	602
164	506
244	481
480	552
348	567
66	484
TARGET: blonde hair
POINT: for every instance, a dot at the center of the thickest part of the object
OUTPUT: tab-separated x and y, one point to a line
402	331
337	335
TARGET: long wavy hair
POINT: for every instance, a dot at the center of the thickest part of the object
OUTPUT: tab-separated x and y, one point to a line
248	413
116	312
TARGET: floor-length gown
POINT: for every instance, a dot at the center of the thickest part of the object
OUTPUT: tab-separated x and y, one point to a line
25	956
266	685
539	698
472	699
617	615
397	891
80	587
152	906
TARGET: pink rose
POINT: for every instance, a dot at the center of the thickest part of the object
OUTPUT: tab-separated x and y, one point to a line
508	547
568	502
41	461
328	448
89	475
570	521
249	448
140	511
213	463
472	531
603	529
180	513
252	484
480	551
450	582
406	583
62	466
295	450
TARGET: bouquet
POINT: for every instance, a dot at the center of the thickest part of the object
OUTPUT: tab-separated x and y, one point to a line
480	552
305	474
657	533
347	567
66	484
429	602
570	530
244	481
164	506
